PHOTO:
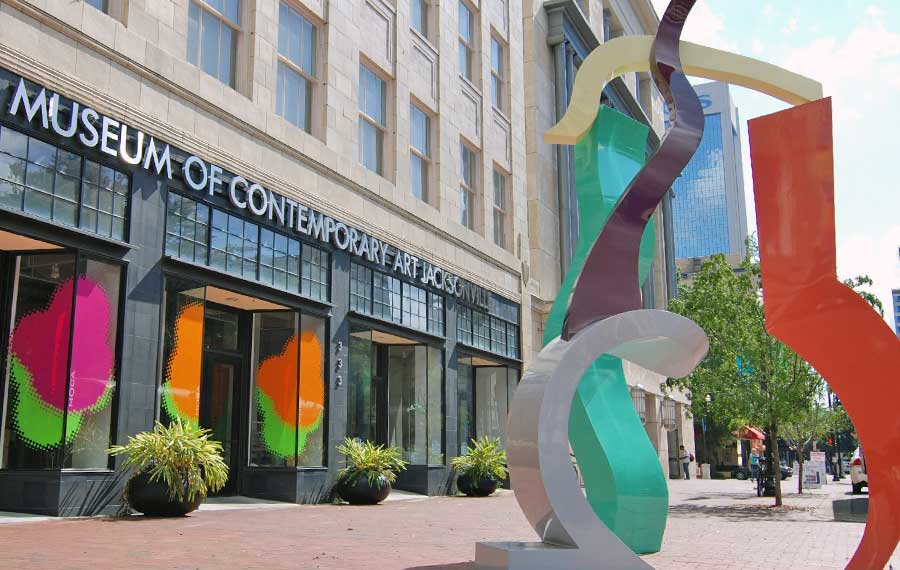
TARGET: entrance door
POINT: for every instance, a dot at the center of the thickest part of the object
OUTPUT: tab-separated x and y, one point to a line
674	440
218	408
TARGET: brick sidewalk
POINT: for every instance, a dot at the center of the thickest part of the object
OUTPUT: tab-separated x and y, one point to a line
714	525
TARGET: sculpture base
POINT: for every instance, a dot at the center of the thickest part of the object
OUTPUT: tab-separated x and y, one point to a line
543	556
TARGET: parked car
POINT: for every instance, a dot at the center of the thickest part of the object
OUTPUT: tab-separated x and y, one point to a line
858	475
742	472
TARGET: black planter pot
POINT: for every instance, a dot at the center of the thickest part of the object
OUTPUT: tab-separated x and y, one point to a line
152	498
360	492
476	487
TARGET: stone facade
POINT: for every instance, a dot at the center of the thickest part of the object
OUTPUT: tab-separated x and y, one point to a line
131	64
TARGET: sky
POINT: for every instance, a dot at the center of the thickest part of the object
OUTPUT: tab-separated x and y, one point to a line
853	48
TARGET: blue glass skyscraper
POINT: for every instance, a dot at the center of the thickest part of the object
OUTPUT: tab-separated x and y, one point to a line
895	297
709	211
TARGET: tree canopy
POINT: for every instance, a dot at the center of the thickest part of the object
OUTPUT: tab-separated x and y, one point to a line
750	376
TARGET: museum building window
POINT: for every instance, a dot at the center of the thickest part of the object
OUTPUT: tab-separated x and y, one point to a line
297	67
212	38
62	362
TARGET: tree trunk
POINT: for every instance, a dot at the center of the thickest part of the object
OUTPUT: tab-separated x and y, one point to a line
775	464
800	476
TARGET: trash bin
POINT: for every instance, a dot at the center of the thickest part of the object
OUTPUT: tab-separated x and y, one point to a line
705	472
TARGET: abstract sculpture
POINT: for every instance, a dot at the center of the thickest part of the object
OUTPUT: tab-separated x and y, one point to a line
806	307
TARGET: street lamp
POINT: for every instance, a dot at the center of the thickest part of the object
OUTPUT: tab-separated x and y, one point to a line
639	398
668	414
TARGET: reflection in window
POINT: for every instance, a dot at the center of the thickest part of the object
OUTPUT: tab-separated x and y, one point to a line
378	294
415	375
296	67
239	247
60	384
700	208
500	208
372	121
49	182
466	41
360	288
314	280
102	5
187	224
234	245
419	18
496	330
435	314
213	28
415	307
485	394
498	59
468	190
419	152
386	297
286	425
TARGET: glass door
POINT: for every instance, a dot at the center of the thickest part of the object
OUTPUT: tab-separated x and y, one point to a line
218	408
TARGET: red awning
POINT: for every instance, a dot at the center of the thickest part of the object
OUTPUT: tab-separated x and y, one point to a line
749	432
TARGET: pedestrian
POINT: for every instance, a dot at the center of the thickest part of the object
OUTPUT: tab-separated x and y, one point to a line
685	459
754	464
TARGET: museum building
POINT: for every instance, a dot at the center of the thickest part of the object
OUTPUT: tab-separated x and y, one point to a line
246	278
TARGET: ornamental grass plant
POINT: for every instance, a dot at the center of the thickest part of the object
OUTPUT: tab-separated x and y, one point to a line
484	459
181	455
376	463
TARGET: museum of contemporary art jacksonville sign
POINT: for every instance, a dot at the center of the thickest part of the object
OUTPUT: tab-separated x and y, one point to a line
72	120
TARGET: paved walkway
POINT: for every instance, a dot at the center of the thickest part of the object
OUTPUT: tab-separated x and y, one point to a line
718	525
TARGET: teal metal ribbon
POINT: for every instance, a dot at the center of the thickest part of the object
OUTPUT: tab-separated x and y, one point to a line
623	478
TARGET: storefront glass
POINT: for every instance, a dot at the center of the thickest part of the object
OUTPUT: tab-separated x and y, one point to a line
287	417
484	394
395	395
375	293
43	180
200	234
493	330
61	371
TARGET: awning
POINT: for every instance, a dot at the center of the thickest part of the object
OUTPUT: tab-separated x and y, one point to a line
749	432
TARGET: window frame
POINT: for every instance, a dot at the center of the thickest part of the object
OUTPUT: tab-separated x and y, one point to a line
426	157
499	75
370	67
503	210
466	188
317	60
469	44
426	20
237	82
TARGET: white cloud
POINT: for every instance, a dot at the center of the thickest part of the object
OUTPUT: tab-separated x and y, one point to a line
868	57
757	46
875	256
703	27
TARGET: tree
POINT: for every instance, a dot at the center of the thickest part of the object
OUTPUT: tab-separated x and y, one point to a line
802	431
857	283
750	375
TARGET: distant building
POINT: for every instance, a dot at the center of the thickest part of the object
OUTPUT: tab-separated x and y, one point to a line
690	266
709	211
895	294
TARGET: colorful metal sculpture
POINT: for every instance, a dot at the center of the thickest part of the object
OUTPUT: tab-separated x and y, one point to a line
622	475
603	319
806	306
823	320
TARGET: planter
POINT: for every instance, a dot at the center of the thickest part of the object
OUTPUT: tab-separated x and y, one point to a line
360	492
152	498
476	487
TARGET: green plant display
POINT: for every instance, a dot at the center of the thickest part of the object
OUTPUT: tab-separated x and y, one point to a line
181	455
365	459
484	459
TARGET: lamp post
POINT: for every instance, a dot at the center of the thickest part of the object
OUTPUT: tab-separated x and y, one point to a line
703	421
639	399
